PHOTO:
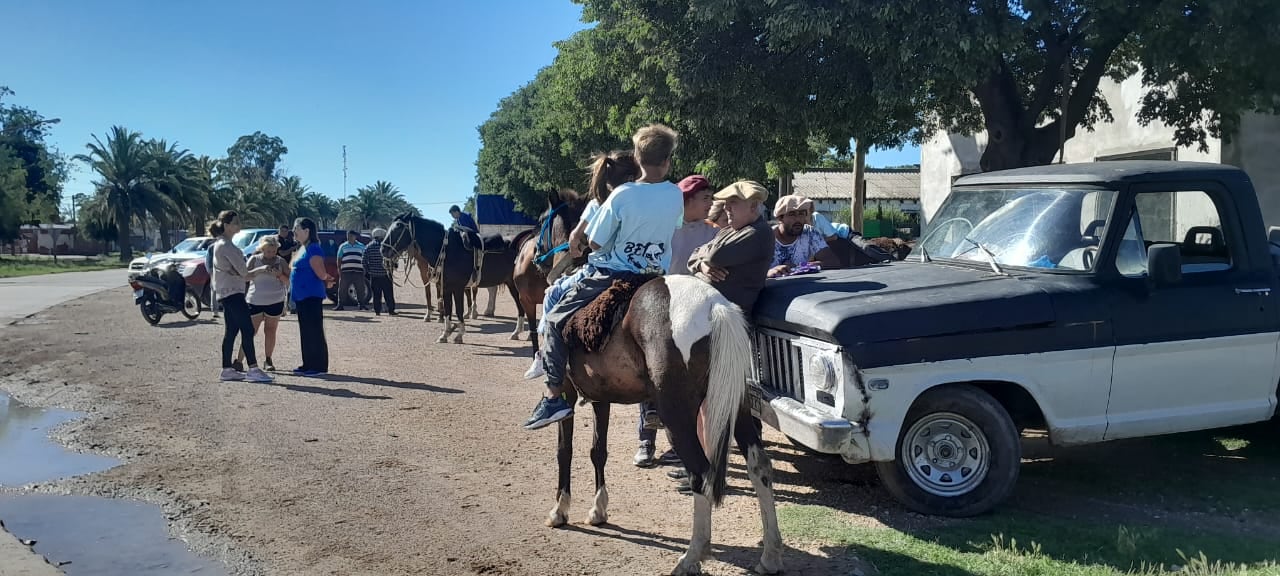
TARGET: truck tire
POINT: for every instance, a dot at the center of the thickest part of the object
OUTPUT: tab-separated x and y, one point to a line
957	455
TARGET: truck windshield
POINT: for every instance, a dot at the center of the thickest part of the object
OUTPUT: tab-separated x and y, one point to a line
1029	227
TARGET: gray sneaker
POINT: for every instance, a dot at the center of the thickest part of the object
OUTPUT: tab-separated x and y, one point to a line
231	375
256	375
644	456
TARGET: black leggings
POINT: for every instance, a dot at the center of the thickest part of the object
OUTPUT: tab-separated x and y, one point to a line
236	319
315	351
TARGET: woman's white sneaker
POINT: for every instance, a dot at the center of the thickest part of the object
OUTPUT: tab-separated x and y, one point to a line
231	375
256	374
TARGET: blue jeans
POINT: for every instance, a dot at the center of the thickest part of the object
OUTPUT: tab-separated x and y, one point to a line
556	291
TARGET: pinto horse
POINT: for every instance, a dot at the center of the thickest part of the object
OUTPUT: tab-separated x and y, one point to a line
683	346
540	256
442	251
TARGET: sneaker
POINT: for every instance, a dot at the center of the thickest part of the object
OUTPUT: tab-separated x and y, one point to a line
684	487
268	366
651	420
644	456
338	309
256	374
678	474
669	458
364	308
231	375
535	370
237	365
549	411
393	313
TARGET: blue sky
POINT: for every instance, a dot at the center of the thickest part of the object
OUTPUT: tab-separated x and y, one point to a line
402	84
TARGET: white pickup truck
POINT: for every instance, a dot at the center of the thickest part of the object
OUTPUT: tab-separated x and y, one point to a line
1092	301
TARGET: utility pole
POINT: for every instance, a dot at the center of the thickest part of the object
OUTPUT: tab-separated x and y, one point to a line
859	186
344	170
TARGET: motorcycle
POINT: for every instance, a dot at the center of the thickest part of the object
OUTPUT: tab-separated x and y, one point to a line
162	289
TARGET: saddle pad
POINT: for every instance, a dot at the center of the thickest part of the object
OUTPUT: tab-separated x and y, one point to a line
590	326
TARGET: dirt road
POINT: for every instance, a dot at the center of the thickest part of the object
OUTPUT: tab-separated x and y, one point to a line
408	460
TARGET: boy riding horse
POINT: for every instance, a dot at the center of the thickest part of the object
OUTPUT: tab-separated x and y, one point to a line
630	235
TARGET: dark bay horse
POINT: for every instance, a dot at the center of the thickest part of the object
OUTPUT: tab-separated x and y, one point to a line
539	252
684	347
432	242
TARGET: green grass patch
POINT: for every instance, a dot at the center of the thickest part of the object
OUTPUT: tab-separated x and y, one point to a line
1215	471
1018	544
15	267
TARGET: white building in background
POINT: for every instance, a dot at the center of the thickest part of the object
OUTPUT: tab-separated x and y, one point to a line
831	189
1255	148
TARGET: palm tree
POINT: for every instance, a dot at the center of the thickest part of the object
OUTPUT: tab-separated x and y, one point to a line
294	191
171	172
122	165
321	208
372	206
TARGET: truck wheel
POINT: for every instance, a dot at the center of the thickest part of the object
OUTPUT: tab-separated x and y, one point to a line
958	454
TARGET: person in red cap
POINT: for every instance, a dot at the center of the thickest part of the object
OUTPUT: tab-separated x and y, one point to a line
695	232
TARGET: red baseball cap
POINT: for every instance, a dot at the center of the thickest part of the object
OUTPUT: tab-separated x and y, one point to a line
693	184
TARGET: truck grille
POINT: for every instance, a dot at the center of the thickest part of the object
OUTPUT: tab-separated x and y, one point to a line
779	364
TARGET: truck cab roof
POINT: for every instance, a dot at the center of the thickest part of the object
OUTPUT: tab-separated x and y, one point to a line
1108	172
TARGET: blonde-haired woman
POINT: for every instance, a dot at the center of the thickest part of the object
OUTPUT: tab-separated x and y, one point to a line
268	287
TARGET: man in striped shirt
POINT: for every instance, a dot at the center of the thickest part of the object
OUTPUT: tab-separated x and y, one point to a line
351	270
378	274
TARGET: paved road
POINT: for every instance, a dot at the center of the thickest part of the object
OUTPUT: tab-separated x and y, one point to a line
24	296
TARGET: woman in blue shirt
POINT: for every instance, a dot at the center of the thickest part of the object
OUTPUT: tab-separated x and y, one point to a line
307	286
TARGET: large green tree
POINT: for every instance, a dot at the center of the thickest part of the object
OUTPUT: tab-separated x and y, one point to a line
31	171
1028	71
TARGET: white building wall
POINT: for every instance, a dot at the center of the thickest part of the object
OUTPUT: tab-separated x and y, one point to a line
1256	150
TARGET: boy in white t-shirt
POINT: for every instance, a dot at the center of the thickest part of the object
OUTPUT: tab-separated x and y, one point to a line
631	233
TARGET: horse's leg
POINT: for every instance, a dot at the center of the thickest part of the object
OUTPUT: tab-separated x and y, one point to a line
564	457
599	454
493	300
472	294
760	469
679	412
520	305
446	309
462	318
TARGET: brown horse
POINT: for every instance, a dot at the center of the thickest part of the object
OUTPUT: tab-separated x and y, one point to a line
537	254
685	348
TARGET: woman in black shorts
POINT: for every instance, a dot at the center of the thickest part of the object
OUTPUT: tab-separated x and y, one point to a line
268	286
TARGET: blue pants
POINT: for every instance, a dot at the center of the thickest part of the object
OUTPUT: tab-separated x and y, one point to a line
555	353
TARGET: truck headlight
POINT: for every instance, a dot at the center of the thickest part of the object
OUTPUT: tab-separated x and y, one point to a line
822	372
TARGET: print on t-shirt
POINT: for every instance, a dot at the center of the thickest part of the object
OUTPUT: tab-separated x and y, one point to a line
646	256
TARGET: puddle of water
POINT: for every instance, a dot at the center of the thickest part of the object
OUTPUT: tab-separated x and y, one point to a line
101	536
27	454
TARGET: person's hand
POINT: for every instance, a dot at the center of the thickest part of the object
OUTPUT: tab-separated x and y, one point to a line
779	270
714	273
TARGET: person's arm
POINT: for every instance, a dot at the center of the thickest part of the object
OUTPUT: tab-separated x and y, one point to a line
233	259
578	239
317	266
604	227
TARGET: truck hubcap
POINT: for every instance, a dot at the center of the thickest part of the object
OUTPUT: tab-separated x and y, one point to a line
945	454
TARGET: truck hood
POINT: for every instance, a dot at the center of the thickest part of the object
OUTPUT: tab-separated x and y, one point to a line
903	300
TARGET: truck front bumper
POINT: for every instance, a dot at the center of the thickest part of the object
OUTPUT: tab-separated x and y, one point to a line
823	433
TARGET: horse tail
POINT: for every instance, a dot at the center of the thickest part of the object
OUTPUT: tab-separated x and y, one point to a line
731	360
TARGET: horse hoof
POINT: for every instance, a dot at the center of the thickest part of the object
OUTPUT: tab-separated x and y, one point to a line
597	518
687	567
768	567
556	519
457	339
515	336
442	339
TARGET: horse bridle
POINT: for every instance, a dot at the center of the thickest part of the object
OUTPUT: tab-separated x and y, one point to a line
434	276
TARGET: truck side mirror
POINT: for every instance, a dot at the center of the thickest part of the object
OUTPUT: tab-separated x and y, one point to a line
1164	265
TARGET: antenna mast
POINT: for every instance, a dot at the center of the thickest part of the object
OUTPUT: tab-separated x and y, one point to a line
344	170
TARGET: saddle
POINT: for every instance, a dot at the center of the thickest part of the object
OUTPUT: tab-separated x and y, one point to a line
488	243
589	327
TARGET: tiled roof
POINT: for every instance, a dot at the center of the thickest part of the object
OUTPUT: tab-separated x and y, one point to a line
882	184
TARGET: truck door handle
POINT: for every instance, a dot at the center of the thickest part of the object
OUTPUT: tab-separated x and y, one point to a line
1258	291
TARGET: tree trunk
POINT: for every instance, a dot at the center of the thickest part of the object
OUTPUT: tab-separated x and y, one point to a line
122	233
859	188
